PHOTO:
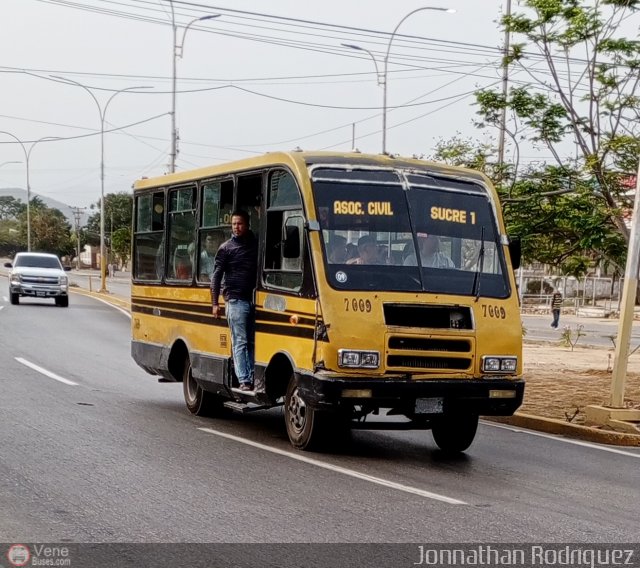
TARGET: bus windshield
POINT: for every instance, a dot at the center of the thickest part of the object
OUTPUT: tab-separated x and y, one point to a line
408	231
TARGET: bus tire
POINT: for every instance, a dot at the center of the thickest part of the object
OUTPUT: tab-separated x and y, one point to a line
307	428
199	401
455	433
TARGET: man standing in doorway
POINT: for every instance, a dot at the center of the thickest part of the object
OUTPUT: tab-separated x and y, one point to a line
556	306
237	261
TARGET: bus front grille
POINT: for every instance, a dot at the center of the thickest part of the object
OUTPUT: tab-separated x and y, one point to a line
413	362
446	354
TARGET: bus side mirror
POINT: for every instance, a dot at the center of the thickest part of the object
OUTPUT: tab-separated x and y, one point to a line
515	251
291	244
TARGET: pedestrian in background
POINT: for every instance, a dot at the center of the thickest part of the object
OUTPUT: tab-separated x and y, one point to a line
556	306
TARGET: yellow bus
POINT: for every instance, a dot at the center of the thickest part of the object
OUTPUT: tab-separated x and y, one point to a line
385	295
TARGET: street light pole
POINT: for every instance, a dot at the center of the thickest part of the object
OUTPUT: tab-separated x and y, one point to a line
10	162
102	111
177	53
27	156
382	77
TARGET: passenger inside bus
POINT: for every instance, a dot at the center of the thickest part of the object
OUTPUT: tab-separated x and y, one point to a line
430	255
212	243
338	250
367	251
182	264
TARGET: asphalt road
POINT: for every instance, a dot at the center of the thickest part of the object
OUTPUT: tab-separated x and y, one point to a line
95	450
597	331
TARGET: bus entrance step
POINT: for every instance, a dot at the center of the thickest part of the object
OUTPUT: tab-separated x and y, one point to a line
244	407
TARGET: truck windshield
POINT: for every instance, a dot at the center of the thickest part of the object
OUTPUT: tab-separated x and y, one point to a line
408	231
34	261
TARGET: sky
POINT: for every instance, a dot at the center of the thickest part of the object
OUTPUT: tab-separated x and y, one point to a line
262	76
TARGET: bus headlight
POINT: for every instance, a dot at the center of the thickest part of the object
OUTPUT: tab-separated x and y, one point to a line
499	364
358	359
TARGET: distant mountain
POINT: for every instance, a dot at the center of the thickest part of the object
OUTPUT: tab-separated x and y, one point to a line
66	210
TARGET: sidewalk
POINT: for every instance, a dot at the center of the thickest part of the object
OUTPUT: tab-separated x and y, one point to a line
87	281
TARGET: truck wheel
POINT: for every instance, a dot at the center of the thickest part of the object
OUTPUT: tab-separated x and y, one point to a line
308	429
15	298
454	434
199	401
62	301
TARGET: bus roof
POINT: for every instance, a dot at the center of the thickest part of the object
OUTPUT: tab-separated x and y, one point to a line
300	160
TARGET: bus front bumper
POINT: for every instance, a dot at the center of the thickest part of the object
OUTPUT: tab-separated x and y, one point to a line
495	396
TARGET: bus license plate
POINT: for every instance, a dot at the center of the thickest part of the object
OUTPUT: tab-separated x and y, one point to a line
429	405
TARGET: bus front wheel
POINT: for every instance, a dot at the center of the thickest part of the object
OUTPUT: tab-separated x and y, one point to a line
454	434
307	428
199	401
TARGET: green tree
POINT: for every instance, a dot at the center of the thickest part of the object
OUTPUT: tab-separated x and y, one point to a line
581	92
50	230
117	209
10	207
121	244
10	239
560	221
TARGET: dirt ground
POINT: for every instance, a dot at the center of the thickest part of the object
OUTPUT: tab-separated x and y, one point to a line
561	382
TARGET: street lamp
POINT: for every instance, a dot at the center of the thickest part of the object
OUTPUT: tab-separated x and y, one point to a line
103	112
10	162
178	49
27	156
382	77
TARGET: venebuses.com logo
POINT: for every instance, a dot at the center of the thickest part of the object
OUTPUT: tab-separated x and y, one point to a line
38	555
18	554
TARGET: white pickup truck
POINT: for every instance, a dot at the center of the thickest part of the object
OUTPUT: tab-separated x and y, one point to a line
39	275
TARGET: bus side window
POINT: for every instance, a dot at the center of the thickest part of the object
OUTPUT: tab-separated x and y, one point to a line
283	266
149	236
182	228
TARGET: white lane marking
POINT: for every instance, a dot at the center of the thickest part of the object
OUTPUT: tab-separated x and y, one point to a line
5	299
125	312
561	439
1	307
45	372
338	469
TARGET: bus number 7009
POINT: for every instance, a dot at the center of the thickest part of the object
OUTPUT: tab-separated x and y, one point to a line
355	305
494	311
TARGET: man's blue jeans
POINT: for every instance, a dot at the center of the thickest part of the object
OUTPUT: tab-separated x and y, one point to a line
241	318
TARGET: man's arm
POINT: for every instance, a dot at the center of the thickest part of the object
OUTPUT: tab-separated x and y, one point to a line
216	280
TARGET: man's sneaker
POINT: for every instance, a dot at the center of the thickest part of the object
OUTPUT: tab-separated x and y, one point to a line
246	387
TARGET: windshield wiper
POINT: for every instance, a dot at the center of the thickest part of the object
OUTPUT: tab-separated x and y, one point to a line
475	290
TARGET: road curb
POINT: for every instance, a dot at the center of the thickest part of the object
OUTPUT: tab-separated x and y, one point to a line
563	428
106	296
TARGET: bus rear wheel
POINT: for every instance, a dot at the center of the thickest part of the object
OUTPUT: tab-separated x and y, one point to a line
199	401
308	429
455	433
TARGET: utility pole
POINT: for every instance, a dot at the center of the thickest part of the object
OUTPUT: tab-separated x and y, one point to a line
77	212
616	415
111	239
505	90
